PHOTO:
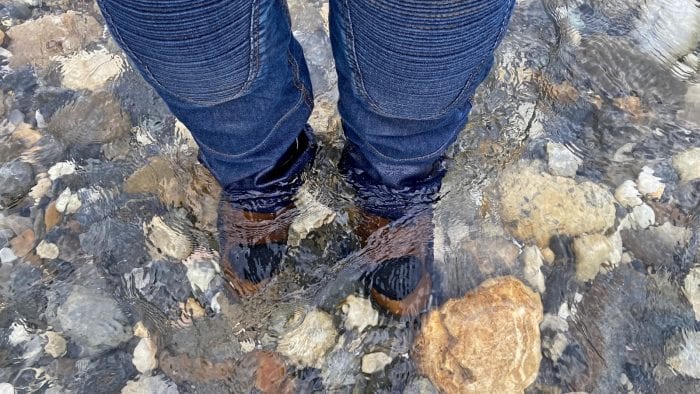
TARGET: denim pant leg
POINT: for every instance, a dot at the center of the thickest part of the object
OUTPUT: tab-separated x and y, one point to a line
406	72
231	71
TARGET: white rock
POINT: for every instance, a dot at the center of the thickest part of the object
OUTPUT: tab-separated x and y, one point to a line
90	70
627	194
686	360
150	385
47	250
68	202
554	347
61	169
18	334
312	215
533	268
688	164
201	269
308	343
6	388
165	240
55	344
375	362
7	255
359	313
650	185
42	187
145	355
642	216
592	251
140	330
554	322
691	289
561	160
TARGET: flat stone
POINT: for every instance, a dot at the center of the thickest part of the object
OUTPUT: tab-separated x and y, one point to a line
92	118
375	362
486	342
310	341
90	70
359	313
312	215
23	243
535	206
688	164
166	240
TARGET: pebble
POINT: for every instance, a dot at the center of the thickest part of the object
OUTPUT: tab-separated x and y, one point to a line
140	330
312	215
23	243
642	216
67	202
202	268
650	185
90	70
691	289
42	187
684	355
51	217
459	356
591	252
308	343
157	384
62	168
47	250
561	160
7	388
537	206
375	362
7	255
166	241
627	194
359	313
17	179
688	164
532	270
55	344
145	355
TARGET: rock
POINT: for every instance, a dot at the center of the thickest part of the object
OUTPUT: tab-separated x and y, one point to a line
627	194
308	343
90	70
7	255
193	309
537	206
656	245
642	216
23	243
684	353
561	160
375	362
650	185
47	250
42	187
688	164
140	330
62	168
592	251
157	384
202	268
359	313
93	118
3	38
68	202
691	289
166	240
532	270
157	177
55	344
93	320
17	179
51	217
145	355
36	41
312	215
486	342
420	385
7	388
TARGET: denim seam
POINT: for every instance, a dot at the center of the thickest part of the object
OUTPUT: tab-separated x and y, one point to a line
296	79
359	79
253	67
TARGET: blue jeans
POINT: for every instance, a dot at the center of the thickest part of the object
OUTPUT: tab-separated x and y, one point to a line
232	72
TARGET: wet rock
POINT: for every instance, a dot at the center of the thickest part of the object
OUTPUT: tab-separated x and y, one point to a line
36	41
561	160
166	240
42	187
684	354
532	270
93	118
68	203
537	206
140	330
340	369
3	38
592	251
642	216
145	355
627	194
656	245
308	343
688	164
420	385
691	289
158	177
16	178
23	243
90	70
107	374
47	250
55	344
312	215
202	268
459	355
157	384
93	320
375	362
650	185
359	313
62	168
51	217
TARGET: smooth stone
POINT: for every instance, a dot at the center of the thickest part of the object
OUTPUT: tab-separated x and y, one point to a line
561	160
7	255
47	250
55	344
310	341
537	206
359	313
688	164
157	177
17	179
650	185
592	251
92	118
60	169
532	270
691	289
23	243
642	216
67	202
90	70
486	342
145	356
157	384
51	217
627	194
375	362
166	240
684	354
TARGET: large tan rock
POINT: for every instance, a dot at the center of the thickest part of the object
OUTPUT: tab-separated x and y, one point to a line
536	206
486	342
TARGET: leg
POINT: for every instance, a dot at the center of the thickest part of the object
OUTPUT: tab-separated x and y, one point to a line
231	71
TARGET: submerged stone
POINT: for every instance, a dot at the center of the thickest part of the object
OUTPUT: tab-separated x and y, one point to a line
310	341
17	179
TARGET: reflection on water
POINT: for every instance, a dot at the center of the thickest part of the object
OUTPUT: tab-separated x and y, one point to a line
565	238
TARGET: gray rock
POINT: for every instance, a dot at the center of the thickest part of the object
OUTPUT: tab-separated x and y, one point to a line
561	160
150	385
93	320
16	178
684	354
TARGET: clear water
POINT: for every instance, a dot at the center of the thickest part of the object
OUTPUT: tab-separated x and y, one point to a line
613	82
